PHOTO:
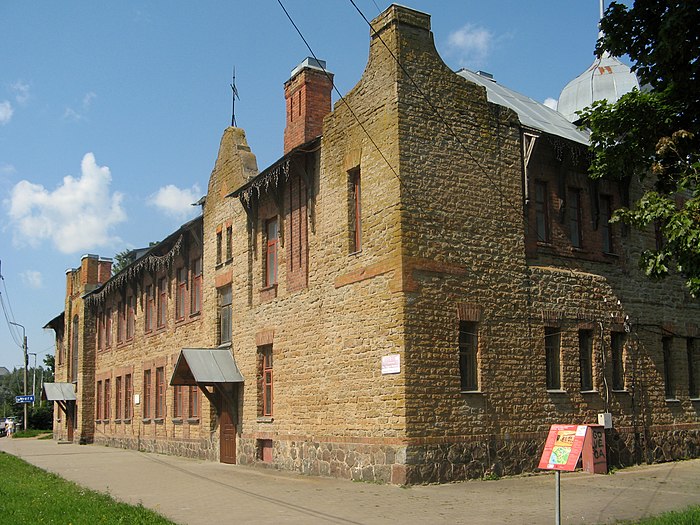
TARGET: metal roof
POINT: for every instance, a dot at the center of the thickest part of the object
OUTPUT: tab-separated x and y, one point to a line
59	392
205	366
531	113
606	79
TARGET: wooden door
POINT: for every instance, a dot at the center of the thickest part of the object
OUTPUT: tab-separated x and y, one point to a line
227	427
70	418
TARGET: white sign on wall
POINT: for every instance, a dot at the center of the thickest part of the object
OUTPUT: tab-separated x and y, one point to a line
391	364
137	399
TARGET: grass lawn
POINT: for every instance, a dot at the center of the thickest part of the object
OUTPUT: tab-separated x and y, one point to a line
690	516
31	495
30	433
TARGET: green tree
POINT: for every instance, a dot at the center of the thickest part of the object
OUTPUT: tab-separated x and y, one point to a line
655	132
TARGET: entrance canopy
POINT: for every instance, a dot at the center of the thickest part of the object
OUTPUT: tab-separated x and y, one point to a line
205	366
58	392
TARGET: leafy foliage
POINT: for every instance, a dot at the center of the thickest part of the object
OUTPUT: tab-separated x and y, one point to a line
657	132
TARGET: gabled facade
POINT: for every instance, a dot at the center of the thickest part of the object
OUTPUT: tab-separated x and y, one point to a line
414	292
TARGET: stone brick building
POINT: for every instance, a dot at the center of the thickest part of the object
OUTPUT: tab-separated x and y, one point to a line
414	292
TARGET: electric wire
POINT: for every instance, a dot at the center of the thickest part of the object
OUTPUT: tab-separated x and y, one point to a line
438	114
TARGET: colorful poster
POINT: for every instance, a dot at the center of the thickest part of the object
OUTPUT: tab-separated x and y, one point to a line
563	447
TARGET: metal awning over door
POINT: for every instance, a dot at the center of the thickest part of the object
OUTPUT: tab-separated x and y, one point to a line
58	392
205	366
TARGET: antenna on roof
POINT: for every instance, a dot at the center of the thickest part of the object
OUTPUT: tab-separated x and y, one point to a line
602	12
234	96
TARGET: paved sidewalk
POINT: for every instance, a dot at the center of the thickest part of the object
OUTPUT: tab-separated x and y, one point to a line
197	492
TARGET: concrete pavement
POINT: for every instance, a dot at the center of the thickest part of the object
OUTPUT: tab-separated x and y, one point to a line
198	492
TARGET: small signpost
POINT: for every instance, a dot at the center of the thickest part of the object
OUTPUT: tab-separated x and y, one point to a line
561	452
24	399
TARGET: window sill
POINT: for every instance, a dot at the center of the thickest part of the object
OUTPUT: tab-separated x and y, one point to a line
695	399
268	288
556	391
672	400
146	420
589	391
158	421
265	419
118	421
611	254
354	254
193	421
471	392
195	314
176	421
126	421
620	391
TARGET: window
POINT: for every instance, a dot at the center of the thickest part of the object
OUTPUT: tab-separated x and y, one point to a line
265	396
108	327
218	247
355	211
177	401
552	340
130	317
98	401
146	411
605	226
271	252
75	339
225	315
160	392
693	368
541	212
118	398
585	359
128	396
120	322
196	290
193	406
669	387
468	347
574	206
108	399
229	243
162	302
99	328
617	342
181	296
149	308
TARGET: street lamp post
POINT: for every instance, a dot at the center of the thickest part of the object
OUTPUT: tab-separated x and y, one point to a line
26	363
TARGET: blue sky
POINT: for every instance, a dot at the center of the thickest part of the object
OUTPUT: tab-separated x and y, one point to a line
111	112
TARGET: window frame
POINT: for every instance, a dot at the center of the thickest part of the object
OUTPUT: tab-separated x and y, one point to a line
128	396
575	217
99	402
130	317
108	328
266	401
552	347
693	368
669	383
196	288
149	308
118	398
177	401
585	359
181	294
229	243
160	393
355	191
468	343
271	251
108	399
225	298
162	305
146	404
219	247
542	212
121	322
617	351
193	402
75	346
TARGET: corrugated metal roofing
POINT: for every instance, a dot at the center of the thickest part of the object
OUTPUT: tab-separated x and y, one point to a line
205	366
59	391
531	113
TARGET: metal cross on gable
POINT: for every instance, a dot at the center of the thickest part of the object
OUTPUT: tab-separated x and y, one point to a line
234	96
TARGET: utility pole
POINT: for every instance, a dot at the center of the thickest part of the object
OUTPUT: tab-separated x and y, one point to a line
34	379
26	363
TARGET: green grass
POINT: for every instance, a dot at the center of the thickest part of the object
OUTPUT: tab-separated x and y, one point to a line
31	495
689	516
30	433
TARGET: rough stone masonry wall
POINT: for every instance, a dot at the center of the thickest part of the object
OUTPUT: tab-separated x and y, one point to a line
334	412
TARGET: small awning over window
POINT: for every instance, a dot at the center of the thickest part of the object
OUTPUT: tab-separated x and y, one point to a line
58	392
205	366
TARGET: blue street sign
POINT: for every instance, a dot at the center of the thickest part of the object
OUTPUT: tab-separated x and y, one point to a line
24	399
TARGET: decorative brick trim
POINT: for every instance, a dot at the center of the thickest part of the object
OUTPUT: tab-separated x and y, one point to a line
469	312
264	337
551	317
222	279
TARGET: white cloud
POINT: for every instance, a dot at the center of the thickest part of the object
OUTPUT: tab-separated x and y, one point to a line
176	202
551	103
470	44
21	90
6	112
72	114
7	169
79	215
32	278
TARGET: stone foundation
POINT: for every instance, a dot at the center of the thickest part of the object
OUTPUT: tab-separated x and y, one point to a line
198	449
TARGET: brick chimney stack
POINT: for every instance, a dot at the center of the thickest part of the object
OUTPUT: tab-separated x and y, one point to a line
307	94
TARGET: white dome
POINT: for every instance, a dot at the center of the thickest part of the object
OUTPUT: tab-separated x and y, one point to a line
607	78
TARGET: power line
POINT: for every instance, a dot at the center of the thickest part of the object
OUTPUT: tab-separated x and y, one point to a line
437	113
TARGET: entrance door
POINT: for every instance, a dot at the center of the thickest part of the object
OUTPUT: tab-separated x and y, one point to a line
227	425
70	418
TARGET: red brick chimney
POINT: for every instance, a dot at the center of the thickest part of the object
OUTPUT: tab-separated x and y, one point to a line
104	271
307	94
